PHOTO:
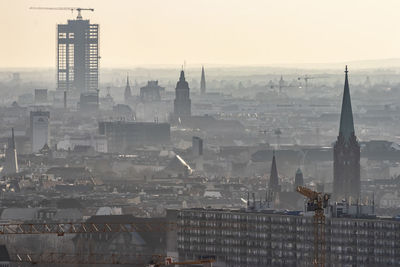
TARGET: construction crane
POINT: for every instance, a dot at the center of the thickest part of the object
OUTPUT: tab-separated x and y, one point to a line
72	9
317	201
306	78
103	259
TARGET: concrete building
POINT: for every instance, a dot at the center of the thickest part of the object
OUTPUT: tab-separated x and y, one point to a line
78	56
11	163
197	146
5	259
346	153
182	102
253	237
124	136
151	92
89	101
41	96
39	127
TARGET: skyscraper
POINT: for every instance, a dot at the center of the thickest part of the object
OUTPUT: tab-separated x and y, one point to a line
203	81
78	56
346	153
128	92
11	163
182	103
274	178
39	126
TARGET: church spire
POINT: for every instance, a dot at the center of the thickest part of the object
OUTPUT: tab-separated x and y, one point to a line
128	92
274	178
346	118
203	81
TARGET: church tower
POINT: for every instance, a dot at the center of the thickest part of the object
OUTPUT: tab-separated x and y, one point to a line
128	92
203	82
182	103
274	178
346	153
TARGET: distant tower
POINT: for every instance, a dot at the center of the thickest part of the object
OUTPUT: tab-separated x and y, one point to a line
203	82
281	84
11	163
128	92
298	179
274	178
346	153
39	127
182	103
78	56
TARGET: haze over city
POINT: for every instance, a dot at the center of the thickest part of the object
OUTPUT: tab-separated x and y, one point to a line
199	133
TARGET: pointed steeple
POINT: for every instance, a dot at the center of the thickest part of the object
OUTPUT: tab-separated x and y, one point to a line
274	178
346	118
11	159
128	92
203	81
182	77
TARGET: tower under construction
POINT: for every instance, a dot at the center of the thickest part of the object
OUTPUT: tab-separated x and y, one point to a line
78	56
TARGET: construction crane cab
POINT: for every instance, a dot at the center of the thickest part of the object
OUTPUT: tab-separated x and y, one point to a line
317	201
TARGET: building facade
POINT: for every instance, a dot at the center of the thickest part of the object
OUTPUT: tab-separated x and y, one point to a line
271	238
151	92
124	136
346	153
78	56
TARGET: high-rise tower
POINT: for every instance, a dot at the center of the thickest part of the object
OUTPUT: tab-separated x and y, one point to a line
11	163
274	178
78	56
182	103
346	153
128	92
203	81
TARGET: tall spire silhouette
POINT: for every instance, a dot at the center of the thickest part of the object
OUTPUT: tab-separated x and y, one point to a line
346	153
346	128
128	92
274	178
11	159
203	81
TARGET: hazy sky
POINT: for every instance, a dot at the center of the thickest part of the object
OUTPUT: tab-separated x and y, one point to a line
240	32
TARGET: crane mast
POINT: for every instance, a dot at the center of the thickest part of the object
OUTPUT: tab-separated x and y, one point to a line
317	201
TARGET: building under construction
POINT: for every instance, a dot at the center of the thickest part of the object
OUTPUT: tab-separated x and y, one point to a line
261	237
78	56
